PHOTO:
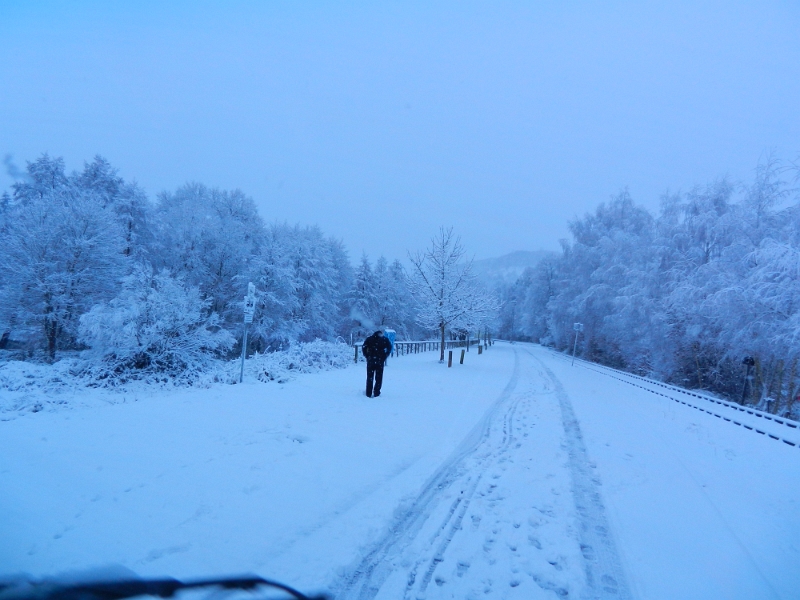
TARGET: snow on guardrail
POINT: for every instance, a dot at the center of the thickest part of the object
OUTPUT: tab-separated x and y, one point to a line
769	425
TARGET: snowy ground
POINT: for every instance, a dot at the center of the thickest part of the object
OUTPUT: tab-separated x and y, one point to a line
514	475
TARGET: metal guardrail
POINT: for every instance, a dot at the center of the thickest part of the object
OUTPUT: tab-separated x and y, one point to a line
626	377
415	347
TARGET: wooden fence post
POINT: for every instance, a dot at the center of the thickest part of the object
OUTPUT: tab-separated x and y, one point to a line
449	358
462	356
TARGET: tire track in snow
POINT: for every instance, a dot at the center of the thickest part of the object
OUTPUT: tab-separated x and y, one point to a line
453	525
604	575
365	580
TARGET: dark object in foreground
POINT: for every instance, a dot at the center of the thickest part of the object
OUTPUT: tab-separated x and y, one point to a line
129	588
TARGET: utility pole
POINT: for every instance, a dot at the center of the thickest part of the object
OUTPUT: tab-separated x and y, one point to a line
578	327
249	310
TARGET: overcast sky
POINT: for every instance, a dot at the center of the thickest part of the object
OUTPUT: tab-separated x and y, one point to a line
380	121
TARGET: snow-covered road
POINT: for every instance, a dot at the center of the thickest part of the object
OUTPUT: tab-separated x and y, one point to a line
514	475
700	507
499	516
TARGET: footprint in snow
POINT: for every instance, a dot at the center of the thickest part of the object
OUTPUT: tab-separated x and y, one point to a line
533	522
609	584
462	567
549	586
587	551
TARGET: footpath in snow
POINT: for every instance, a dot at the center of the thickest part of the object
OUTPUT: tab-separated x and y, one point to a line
514	475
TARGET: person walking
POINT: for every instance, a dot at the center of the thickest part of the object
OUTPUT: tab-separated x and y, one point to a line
376	349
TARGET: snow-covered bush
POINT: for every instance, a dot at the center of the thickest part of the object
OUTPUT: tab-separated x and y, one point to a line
30	387
310	357
156	327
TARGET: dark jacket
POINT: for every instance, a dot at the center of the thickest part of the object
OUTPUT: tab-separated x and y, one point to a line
376	348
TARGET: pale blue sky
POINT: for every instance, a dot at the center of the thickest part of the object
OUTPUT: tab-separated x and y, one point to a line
380	121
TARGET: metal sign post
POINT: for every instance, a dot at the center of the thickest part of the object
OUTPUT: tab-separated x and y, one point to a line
249	310
578	327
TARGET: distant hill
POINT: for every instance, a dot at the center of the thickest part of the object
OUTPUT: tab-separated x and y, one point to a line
507	269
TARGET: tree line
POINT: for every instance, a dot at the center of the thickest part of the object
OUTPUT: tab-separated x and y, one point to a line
689	295
88	262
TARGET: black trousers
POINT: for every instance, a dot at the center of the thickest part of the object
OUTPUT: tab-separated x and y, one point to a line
374	371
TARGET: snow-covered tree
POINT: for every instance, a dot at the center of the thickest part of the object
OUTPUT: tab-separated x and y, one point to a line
363	299
157	324
209	237
685	295
128	201
62	251
445	289
392	308
539	290
302	279
379	298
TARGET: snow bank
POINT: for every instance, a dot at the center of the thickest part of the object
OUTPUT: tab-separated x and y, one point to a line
31	387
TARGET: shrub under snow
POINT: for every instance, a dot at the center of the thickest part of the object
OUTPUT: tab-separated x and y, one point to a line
157	326
25	385
30	387
310	357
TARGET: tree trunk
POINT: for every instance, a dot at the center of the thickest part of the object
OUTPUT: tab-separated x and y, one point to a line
51	333
697	366
778	388
791	390
758	380
767	375
441	354
50	329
